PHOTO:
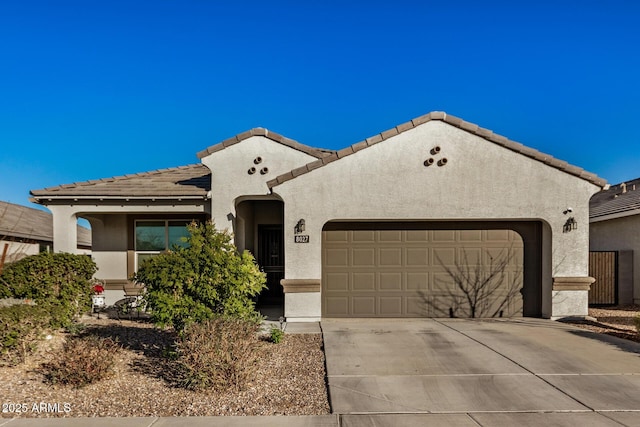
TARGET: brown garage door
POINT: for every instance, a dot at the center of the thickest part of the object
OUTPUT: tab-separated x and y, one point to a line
400	270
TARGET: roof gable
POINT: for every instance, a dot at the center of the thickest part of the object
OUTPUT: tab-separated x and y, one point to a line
288	142
453	121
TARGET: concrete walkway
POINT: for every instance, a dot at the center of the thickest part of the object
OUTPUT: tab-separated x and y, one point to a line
455	372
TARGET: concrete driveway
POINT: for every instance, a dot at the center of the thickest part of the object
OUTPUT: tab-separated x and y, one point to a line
456	372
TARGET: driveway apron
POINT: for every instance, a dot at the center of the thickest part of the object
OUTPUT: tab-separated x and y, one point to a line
485	372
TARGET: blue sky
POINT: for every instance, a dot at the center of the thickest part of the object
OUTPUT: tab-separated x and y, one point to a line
92	89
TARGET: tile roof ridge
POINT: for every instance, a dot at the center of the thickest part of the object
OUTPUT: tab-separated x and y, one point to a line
274	136
453	121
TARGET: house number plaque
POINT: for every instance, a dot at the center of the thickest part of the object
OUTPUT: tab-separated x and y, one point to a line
301	238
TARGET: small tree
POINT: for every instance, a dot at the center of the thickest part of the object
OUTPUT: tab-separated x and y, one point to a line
208	277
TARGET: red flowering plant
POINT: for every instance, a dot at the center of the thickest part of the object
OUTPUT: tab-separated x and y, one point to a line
98	288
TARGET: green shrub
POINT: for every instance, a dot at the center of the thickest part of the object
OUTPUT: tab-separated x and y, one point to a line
57	281
207	278
20	329
82	361
276	334
218	354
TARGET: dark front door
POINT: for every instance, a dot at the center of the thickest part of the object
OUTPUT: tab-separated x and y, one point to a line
271	259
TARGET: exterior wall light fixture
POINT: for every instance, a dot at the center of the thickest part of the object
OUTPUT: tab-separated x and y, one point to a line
571	224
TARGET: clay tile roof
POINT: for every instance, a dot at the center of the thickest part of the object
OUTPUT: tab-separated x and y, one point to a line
183	181
312	151
619	200
459	123
22	222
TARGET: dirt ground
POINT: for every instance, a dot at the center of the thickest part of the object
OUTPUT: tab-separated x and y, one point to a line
615	321
290	380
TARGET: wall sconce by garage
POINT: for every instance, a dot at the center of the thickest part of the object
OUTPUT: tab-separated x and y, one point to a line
300	226
570	225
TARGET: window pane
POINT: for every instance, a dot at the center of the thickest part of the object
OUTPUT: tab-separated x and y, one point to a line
177	233
150	236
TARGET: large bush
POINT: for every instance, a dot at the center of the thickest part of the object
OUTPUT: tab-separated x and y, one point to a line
58	282
208	277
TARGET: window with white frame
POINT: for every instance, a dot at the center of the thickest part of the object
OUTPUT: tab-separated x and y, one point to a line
156	236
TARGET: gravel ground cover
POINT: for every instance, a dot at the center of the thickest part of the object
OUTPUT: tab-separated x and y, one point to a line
615	321
289	381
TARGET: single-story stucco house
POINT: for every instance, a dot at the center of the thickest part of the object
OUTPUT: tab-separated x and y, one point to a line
614	226
435	217
27	231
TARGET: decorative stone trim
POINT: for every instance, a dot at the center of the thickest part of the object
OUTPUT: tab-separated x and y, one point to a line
572	283
300	285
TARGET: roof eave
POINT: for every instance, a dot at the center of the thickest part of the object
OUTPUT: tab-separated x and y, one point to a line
616	215
39	198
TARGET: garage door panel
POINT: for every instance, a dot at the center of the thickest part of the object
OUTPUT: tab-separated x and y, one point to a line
444	256
390	236
364	281
470	235
418	235
498	235
417	256
364	257
337	307
337	257
363	236
418	281
444	235
364	306
418	307
337	236
390	281
391	257
421	273
390	306
337	282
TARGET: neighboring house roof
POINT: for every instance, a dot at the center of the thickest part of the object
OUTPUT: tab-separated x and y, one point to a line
192	181
22	222
312	151
454	121
618	201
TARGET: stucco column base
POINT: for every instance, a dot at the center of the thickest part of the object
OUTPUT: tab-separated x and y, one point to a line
301	300
570	297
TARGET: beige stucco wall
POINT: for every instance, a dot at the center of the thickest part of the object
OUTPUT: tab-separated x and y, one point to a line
231	181
616	235
481	180
18	250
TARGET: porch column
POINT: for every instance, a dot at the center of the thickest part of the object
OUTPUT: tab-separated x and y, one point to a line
65	229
